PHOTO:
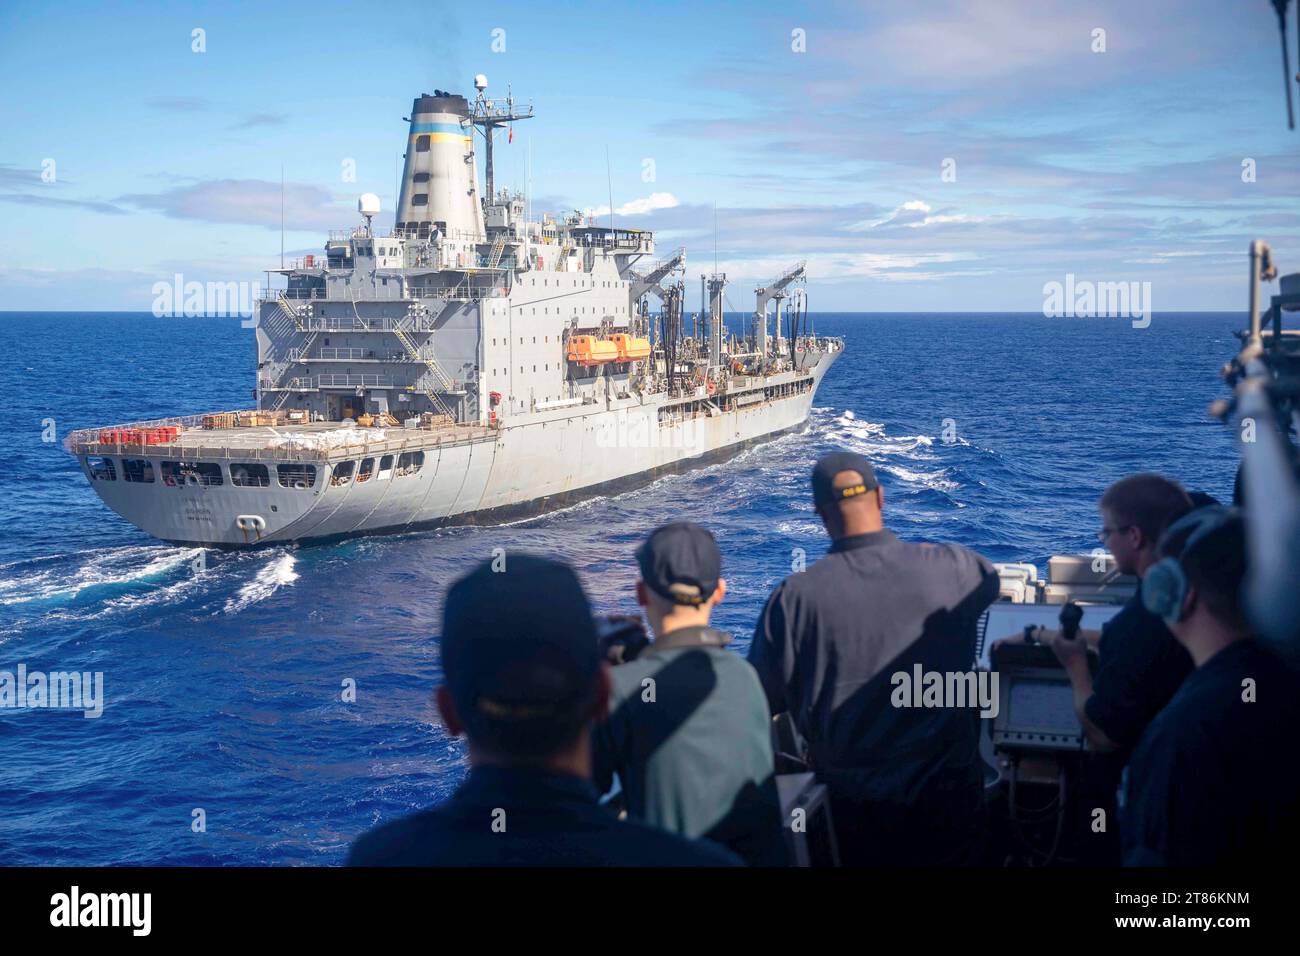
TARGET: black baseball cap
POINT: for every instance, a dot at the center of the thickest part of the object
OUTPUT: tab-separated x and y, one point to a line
828	466
681	562
519	644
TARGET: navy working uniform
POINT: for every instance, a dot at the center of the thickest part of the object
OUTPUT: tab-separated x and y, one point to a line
522	668
1140	666
688	732
697	758
550	820
906	784
1214	781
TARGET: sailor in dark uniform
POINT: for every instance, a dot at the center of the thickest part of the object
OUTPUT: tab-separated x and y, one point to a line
1214	780
1139	667
524	683
906	783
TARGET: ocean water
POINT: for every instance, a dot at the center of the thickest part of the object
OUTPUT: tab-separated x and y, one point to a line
223	687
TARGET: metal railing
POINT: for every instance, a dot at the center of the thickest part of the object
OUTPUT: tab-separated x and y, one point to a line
85	441
467	290
355	324
349	381
90	436
336	353
357	355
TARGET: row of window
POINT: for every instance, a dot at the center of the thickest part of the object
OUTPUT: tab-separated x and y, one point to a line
408	463
365	249
175	474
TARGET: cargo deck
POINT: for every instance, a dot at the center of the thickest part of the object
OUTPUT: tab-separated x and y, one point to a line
308	441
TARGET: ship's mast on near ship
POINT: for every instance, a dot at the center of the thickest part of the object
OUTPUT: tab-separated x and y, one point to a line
488	115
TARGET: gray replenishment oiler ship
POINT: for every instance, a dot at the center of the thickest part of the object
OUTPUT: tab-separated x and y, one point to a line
471	366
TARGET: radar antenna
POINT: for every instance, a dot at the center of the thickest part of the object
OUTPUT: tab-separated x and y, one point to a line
488	115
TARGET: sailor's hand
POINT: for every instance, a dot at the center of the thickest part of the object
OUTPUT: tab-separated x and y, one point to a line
622	638
1016	638
1068	652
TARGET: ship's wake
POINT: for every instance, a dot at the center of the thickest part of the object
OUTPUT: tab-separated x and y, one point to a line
117	584
65	578
908	458
277	573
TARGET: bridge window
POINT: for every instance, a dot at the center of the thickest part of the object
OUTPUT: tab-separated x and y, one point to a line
101	469
250	475
138	469
385	467
343	472
367	469
296	475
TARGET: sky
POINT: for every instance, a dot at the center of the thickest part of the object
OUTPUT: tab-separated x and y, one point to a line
922	157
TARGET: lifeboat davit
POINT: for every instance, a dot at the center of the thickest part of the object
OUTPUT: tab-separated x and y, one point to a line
630	349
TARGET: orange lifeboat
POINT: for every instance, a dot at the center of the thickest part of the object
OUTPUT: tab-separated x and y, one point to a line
630	349
589	350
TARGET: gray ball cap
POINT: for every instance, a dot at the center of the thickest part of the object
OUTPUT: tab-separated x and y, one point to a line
681	562
828	466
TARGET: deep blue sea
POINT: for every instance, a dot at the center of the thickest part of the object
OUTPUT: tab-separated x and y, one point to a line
223	688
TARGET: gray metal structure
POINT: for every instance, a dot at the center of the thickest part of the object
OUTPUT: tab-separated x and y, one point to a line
469	366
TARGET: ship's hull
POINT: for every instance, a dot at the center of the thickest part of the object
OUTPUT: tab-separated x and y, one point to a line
515	471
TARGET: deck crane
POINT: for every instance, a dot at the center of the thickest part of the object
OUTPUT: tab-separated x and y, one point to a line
648	281
641	283
765	294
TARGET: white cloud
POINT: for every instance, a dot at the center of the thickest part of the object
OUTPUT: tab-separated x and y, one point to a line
913	214
250	202
639	207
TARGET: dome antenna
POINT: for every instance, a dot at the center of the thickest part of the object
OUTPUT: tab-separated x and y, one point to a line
368	206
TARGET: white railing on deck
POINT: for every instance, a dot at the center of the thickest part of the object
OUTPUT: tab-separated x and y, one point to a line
85	441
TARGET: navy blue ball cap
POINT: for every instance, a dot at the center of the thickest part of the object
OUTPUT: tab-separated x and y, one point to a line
519	643
681	562
828	466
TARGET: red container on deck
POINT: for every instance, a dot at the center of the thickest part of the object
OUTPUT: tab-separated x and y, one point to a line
160	436
139	436
120	436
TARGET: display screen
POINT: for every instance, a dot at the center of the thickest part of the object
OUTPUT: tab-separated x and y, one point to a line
1042	707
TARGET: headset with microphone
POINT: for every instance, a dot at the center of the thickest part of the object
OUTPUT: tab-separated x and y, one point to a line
1164	586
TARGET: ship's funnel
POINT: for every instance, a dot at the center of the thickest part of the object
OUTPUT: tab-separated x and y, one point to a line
439	184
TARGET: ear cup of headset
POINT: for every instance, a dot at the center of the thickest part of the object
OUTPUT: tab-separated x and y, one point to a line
1164	587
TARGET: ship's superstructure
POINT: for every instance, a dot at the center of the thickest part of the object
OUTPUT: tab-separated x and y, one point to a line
472	363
